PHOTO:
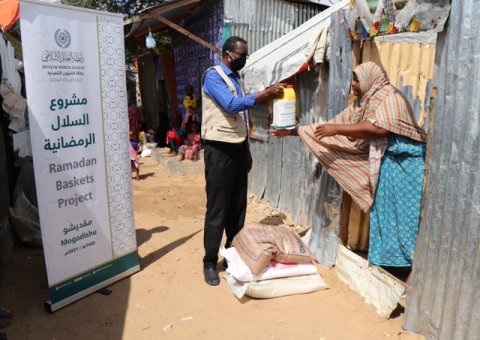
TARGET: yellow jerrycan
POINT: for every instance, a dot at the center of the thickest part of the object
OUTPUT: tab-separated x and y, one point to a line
284	110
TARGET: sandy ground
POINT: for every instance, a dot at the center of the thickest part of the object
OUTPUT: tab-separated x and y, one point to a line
168	299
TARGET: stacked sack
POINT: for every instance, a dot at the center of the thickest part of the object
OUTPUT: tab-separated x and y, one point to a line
270	261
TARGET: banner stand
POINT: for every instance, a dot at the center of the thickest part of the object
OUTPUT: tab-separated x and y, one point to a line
54	307
74	62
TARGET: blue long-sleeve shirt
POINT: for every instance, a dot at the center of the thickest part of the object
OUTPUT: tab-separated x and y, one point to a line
215	88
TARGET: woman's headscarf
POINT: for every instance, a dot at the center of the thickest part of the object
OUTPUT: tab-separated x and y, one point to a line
383	105
371	78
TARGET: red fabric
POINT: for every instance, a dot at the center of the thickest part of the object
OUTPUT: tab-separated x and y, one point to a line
134	119
9	13
172	135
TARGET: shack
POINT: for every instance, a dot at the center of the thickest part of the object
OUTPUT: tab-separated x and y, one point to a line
192	32
433	69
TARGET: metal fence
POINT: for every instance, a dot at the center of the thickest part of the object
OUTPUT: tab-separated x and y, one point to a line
261	22
444	297
285	173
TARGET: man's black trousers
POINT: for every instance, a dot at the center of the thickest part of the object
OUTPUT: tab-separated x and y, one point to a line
226	178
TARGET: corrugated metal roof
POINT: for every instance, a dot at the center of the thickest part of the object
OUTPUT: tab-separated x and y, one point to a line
261	22
174	10
444	295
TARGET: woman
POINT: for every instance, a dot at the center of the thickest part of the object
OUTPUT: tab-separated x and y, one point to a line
376	140
133	117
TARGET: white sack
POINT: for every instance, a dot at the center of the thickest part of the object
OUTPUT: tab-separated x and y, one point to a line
240	271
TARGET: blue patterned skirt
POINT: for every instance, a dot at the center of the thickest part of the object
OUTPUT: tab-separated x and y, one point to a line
395	213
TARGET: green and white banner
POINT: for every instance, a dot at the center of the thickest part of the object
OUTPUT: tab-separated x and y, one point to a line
76	92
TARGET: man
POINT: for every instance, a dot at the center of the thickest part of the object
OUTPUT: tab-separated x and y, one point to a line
227	155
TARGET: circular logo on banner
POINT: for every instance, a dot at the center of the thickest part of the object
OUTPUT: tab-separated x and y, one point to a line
62	38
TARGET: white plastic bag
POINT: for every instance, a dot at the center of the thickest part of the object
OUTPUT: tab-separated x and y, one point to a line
150	41
146	153
240	271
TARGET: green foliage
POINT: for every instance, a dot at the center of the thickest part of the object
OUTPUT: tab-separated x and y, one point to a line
110	6
126	7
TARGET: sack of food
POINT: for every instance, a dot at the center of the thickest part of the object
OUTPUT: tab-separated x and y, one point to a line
257	244
240	271
277	287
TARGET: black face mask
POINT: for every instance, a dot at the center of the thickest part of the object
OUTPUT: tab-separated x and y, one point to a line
238	64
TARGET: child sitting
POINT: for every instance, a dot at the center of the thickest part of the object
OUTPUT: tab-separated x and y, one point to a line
192	144
175	138
133	140
134	160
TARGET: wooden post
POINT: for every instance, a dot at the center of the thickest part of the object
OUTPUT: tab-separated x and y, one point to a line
186	33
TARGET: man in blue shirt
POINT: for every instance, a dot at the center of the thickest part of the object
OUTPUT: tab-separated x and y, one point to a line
227	154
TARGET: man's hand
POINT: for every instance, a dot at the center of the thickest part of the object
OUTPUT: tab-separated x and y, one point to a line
271	92
276	90
325	130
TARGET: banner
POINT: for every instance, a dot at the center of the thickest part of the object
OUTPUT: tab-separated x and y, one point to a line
76	93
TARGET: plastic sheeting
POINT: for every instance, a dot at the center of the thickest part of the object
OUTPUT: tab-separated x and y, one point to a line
285	56
10	65
9	13
444	296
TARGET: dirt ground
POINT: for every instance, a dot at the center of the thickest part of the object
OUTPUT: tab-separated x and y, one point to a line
168	299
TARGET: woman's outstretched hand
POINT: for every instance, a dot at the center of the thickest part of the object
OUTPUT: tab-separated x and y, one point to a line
324	130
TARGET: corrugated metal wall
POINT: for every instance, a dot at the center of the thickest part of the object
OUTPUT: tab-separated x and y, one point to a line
262	21
409	63
444	298
285	173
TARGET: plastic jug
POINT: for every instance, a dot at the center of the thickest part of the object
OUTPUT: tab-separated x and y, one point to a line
284	110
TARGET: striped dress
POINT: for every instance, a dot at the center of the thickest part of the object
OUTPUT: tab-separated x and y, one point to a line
355	163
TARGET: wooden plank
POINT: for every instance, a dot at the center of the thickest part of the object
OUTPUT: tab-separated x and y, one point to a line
186	33
379	288
161	10
358	228
171	7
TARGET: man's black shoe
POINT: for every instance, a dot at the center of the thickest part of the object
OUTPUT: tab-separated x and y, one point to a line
211	276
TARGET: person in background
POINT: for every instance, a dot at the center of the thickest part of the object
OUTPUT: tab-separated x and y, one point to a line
150	135
133	140
134	159
4	314
227	154
134	119
176	137
376	151
192	145
190	102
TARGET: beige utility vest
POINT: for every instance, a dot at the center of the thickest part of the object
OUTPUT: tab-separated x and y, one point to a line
217	124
